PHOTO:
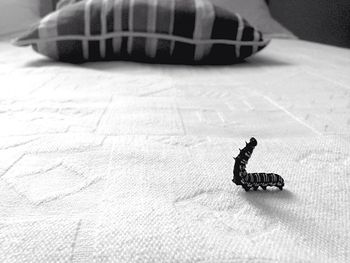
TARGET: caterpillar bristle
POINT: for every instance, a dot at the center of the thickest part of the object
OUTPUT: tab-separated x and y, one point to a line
246	188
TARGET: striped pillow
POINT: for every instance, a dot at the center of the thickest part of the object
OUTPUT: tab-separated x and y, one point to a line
171	31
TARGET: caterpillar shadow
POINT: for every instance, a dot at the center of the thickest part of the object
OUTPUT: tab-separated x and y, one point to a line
269	202
286	208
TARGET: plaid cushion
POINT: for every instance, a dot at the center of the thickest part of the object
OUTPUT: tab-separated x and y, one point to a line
172	31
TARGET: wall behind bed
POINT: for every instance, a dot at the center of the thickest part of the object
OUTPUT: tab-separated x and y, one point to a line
46	6
325	21
17	15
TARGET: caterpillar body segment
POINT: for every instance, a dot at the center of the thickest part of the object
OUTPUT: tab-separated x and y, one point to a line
263	180
253	180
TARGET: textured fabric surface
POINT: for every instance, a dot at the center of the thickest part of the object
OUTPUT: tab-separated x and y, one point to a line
127	162
174	31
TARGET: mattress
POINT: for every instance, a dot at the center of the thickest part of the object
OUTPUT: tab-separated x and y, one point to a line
132	162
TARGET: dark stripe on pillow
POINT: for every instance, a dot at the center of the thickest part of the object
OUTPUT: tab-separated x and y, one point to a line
248	34
125	15
222	53
184	20
110	17
64	27
139	47
184	24
183	52
70	51
95	17
117	25
165	19
140	16
163	50
246	51
110	55
94	50
140	13
225	25
125	26
95	29
124	48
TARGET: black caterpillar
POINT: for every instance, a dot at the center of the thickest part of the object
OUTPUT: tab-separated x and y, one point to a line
253	180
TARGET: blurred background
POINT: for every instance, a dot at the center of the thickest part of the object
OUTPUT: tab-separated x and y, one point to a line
17	15
324	21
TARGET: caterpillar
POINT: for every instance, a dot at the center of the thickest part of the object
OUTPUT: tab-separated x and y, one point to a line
253	180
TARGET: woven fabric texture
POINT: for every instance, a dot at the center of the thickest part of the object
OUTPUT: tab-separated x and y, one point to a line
132	162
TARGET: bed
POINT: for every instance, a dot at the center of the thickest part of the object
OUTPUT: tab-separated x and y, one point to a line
132	162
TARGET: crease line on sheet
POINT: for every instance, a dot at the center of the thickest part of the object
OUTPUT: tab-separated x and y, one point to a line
181	120
291	114
103	114
77	230
102	204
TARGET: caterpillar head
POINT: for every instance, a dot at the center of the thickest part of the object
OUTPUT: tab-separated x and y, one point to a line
246	152
253	142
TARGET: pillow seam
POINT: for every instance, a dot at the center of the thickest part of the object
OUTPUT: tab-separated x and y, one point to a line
140	34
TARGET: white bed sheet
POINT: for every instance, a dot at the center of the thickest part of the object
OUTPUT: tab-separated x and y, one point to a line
129	162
